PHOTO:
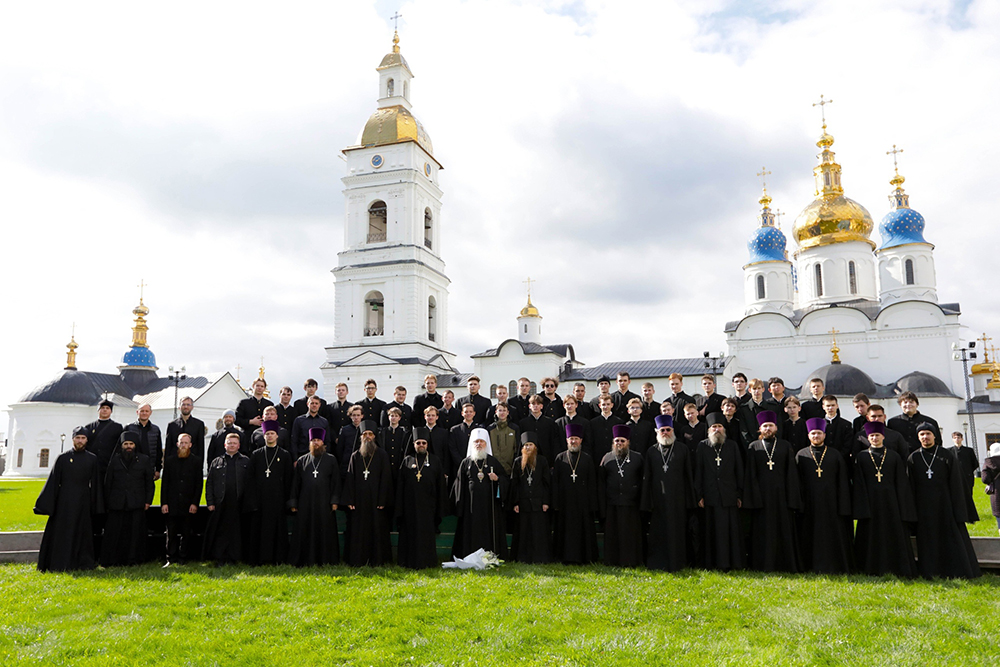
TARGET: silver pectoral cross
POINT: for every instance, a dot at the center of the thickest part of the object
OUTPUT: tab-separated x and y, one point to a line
930	473
366	474
573	476
621	471
267	473
718	460
315	473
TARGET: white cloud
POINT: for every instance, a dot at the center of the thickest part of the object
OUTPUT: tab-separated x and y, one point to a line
606	149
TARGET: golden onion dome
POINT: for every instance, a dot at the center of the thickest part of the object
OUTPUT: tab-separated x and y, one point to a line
529	310
831	217
393	125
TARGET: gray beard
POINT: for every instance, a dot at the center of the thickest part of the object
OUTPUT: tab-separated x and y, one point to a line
367	448
717	438
479	455
666	441
573	448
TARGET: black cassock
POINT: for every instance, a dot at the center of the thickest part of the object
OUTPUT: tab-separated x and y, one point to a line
574	508
71	494
771	495
225	488
718	480
619	486
825	524
368	486
668	495
419	506
882	508
529	491
479	506
969	463
128	488
271	470
315	490
943	545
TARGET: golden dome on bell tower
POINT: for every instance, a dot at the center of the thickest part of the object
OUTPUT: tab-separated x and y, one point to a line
831	217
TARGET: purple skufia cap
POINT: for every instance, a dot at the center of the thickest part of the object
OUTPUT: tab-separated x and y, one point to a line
574	431
816	424
766	416
270	425
874	427
317	433
663	421
621	431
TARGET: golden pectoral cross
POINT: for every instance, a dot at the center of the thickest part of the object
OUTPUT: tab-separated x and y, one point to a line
770	465
418	475
878	475
819	472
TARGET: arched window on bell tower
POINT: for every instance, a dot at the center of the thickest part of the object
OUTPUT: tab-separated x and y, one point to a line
852	277
760	286
818	275
428	228
431	319
374	314
908	269
376	221
389	87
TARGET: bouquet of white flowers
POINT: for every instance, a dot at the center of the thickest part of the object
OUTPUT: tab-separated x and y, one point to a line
477	560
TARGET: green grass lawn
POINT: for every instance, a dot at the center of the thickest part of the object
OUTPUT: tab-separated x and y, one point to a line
525	614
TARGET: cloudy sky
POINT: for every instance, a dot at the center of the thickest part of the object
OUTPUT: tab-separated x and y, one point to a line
608	150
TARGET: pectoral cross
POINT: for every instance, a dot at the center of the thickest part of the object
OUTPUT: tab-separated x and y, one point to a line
819	472
621	472
878	475
770	465
718	459
366	474
930	473
418	475
315	474
267	473
573	476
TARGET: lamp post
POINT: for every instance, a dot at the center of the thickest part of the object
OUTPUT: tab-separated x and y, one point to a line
62	442
965	353
175	379
714	364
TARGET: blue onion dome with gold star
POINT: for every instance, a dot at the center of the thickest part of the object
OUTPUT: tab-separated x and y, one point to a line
831	217
139	355
902	224
767	244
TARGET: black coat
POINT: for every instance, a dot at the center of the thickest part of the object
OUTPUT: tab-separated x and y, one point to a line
181	484
129	487
217	443
250	408
150	442
406	421
421	403
215	484
195	428
102	439
480	402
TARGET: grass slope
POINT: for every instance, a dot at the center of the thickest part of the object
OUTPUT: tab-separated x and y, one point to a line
530	614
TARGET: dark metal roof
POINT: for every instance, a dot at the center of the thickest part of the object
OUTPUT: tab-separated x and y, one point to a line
107	383
922	384
453	380
70	386
562	349
159	384
982	404
871	309
846	380
642	369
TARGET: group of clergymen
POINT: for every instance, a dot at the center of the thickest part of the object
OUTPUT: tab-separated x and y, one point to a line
761	481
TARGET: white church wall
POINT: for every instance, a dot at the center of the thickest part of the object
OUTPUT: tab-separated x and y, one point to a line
38	426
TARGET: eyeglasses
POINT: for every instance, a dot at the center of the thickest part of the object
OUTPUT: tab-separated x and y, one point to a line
550	386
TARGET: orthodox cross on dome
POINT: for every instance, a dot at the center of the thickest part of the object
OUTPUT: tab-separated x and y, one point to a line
822	109
260	376
986	348
395	21
778	214
833	348
763	173
894	152
528	283
238	367
142	288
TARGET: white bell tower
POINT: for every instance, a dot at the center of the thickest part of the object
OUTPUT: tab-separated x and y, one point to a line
391	293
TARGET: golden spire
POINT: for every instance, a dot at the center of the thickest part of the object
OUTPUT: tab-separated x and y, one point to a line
529	310
395	29
984	366
898	198
766	215
140	312
994	382
986	348
260	376
834	349
71	354
827	173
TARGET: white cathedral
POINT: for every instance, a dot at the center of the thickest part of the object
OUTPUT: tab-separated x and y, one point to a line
862	316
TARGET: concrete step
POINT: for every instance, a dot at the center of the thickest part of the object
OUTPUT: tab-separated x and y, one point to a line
26	540
18	556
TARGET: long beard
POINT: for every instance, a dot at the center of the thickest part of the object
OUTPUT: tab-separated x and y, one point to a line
183	453
573	448
666	440
128	456
317	450
621	452
716	438
528	459
479	454
367	448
